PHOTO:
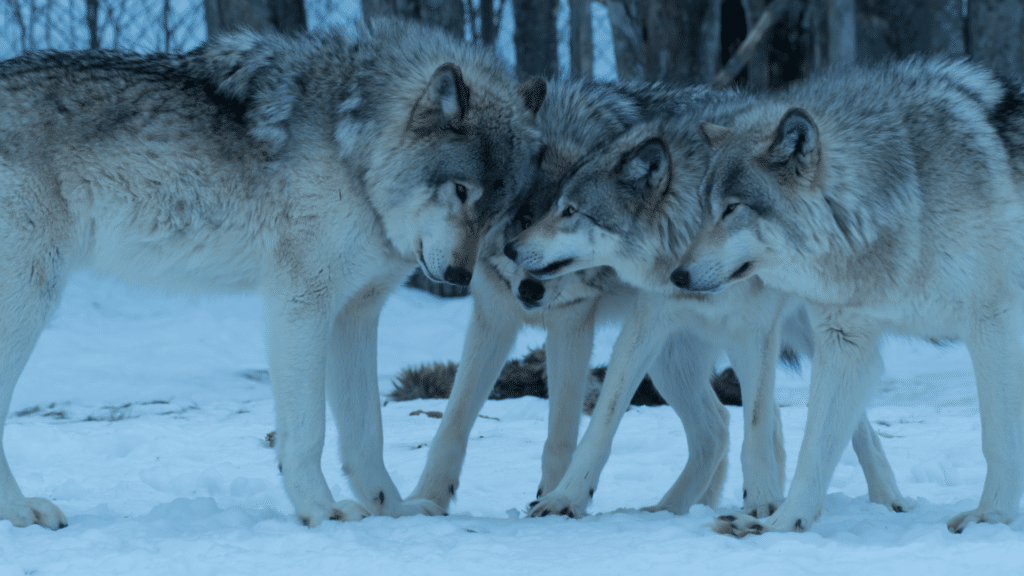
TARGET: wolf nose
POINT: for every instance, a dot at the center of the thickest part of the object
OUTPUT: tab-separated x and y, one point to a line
459	276
681	278
510	251
531	291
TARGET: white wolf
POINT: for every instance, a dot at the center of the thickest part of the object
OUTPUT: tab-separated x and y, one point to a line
901	213
632	206
317	170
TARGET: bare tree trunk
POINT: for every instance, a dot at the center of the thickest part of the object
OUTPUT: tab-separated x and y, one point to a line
536	38
757	66
842	33
627	38
488	31
994	34
581	40
280	15
92	18
900	28
674	40
447	14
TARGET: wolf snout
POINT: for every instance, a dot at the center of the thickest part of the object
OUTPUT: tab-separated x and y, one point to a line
510	251
681	278
457	276
530	291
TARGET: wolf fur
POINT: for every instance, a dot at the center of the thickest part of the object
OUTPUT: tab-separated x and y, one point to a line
632	206
318	170
895	214
575	117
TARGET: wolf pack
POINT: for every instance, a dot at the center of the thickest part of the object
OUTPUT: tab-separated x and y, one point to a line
319	170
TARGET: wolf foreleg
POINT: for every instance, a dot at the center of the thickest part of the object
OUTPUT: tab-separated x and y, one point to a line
490	338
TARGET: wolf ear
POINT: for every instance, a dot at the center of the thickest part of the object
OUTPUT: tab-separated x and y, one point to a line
443	104
533	91
713	134
646	169
795	146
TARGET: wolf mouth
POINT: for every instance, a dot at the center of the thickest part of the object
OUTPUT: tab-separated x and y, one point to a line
550	269
740	271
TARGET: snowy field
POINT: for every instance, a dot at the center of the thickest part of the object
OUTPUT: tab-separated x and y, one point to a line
143	417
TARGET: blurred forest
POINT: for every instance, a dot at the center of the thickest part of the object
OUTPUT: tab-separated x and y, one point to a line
761	44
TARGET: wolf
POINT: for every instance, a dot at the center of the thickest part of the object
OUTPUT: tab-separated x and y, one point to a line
318	170
575	117
901	214
633	206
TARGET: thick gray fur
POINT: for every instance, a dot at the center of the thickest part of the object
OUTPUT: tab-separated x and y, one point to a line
632	205
317	170
891	199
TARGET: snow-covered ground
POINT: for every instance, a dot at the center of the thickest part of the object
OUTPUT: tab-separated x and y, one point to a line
143	417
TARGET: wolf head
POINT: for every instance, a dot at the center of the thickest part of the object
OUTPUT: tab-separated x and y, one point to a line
576	117
760	180
463	153
433	132
627	206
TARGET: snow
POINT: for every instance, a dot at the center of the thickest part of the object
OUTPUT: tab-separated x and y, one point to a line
161	466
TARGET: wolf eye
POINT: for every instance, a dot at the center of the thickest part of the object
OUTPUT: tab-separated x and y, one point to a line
569	211
730	208
460	191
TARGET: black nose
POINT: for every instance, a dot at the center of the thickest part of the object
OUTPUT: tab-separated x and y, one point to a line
530	290
459	276
510	251
681	278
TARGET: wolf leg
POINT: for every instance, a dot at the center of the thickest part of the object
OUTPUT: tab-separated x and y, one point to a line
24	310
568	347
298	336
355	402
846	364
491	335
34	270
638	344
998	361
681	373
882	487
754	354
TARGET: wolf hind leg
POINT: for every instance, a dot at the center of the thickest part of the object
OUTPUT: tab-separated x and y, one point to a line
489	339
681	375
30	291
998	360
882	487
568	347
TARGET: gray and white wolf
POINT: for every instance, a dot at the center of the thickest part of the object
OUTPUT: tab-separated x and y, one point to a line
575	117
633	206
317	170
890	199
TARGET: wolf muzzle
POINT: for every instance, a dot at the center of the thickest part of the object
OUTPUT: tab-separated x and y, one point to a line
530	292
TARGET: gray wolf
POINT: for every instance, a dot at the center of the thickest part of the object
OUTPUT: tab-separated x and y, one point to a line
317	170
900	213
575	117
632	206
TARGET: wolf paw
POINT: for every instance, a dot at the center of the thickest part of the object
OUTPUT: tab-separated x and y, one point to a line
738	525
957	523
30	511
761	510
419	506
558	505
343	511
